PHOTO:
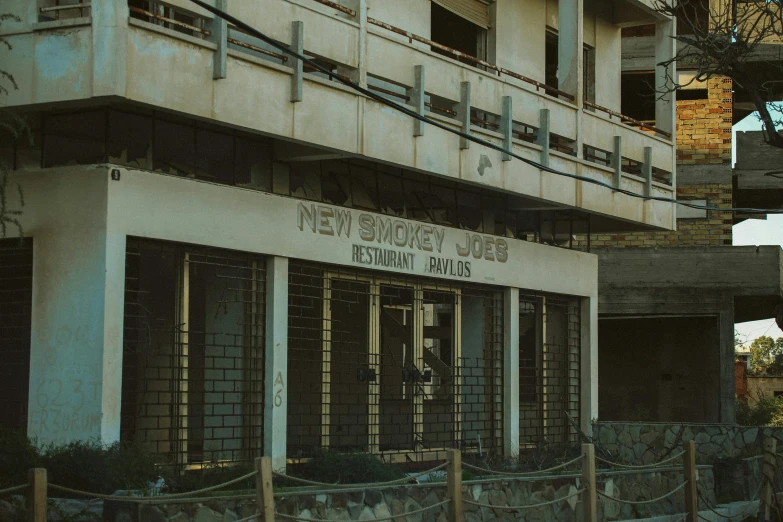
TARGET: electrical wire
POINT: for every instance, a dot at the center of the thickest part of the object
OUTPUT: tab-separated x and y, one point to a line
413	114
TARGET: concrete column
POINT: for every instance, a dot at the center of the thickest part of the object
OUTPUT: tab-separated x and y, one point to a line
297	45
219	29
589	364
77	315
665	49
510	372
569	51
726	360
109	46
276	374
361	13
418	95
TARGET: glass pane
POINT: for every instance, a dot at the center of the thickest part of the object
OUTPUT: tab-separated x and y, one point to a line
253	163
130	139
305	181
364	188
438	371
469	210
175	146
75	138
397	369
215	156
392	196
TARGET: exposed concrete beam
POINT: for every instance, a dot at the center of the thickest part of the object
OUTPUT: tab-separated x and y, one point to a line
289	152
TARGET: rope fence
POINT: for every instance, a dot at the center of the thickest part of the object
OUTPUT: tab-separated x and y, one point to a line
13	489
641	502
528	506
264	496
643	467
383	519
526	473
403	480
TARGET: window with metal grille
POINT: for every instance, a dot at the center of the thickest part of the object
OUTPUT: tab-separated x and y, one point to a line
16	296
193	360
549	369
403	367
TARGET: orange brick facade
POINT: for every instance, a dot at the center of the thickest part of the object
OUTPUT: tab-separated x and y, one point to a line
704	126
703	138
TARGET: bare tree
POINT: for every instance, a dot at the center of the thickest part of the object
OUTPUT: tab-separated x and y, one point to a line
12	128
742	40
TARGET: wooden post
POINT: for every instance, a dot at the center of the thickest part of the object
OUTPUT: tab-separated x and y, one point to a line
454	485
589	501
36	509
691	491
264	497
767	476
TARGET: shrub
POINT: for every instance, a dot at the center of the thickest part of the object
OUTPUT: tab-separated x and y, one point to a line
347	468
760	411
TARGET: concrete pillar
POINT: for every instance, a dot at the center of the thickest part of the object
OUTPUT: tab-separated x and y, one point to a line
510	372
77	316
109	45
726	360
276	362
665	49
569	51
219	29
589	364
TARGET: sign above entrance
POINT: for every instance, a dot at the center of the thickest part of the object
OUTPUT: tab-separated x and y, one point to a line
385	242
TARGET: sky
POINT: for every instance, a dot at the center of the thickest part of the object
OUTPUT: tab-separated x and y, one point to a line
757	232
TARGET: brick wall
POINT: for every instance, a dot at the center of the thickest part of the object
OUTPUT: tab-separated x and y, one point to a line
704	126
703	138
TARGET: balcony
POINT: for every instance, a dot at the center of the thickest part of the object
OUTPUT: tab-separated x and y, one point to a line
176	57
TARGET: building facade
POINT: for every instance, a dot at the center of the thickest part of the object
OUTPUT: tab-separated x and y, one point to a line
671	298
230	254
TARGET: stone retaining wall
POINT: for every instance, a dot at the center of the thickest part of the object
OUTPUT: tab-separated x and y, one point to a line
649	442
372	504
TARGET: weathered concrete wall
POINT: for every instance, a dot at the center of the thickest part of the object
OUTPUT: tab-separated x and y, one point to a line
767	386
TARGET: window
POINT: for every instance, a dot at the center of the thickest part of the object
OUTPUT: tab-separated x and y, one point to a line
638	95
74	138
588	72
551	59
458	33
16	289
192	380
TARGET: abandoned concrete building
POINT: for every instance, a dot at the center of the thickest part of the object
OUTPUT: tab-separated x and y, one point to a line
672	298
228	253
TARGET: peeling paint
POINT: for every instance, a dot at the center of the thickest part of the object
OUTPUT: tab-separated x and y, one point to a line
55	55
484	163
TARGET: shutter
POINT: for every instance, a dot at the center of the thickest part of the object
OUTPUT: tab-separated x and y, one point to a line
473	11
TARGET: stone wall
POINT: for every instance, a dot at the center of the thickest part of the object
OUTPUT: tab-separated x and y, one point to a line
372	504
650	442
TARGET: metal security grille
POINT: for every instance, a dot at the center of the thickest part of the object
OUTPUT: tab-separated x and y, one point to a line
193	361
549	369
402	367
16	295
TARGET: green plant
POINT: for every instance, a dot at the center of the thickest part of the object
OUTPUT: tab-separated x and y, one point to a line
760	411
344	468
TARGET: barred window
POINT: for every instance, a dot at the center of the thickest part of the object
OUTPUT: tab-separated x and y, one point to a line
193	360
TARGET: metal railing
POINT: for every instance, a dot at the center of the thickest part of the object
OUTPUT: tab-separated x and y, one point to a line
57	8
628	120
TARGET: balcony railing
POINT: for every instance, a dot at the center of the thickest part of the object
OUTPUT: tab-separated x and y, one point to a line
58	10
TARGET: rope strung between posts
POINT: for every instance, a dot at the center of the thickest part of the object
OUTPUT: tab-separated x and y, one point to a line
646	466
741	514
522	474
129	498
13	488
395	482
637	502
529	506
251	517
384	519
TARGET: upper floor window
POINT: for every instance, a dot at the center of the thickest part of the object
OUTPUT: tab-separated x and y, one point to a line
462	26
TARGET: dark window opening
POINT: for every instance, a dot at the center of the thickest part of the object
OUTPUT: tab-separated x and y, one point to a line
588	73
76	138
457	33
16	297
692	94
638	96
550	59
